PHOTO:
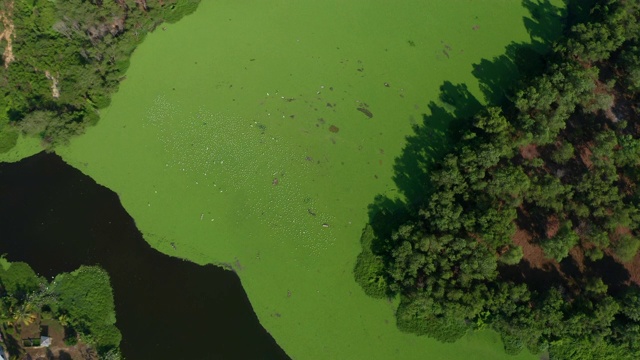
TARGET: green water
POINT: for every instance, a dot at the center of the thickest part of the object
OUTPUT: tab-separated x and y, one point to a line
219	142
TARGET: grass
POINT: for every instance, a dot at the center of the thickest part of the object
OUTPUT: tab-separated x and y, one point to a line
219	141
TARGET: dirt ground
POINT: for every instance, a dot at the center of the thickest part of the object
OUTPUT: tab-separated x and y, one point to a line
8	33
58	349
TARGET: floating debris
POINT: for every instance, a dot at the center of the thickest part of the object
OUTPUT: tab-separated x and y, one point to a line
325	225
366	112
386	84
275	181
311	212
334	129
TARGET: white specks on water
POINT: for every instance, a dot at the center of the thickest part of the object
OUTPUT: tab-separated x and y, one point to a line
196	143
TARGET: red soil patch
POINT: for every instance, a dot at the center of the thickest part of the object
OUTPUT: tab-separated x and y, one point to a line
529	151
621	230
533	254
585	156
626	185
553	225
578	257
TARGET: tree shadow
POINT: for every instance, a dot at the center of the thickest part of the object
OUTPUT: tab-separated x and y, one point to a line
12	344
63	355
385	215
433	139
614	274
449	116
521	61
578	10
538	280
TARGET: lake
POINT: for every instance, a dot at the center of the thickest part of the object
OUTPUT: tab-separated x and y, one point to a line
258	134
55	218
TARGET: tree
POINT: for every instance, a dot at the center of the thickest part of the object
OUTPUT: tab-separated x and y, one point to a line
626	247
513	255
558	246
564	153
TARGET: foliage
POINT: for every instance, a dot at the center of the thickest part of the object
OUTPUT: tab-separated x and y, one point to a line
559	163
19	280
69	57
369	269
82	301
86	297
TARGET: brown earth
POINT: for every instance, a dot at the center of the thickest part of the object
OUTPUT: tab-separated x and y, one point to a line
573	270
8	33
529	151
553	225
533	253
58	350
585	155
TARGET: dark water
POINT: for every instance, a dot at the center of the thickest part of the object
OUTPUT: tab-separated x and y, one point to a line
56	219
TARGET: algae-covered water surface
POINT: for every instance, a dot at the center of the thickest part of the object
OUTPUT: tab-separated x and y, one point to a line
256	134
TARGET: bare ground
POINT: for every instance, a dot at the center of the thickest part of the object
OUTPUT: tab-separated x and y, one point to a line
529	152
8	33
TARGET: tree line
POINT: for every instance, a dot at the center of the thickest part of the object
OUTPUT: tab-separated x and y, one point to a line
553	171
81	301
68	58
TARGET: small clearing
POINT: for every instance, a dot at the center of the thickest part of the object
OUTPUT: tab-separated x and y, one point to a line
55	91
7	33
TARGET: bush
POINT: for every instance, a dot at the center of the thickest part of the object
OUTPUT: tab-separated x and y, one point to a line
8	139
564	153
626	247
558	247
513	255
86	296
369	269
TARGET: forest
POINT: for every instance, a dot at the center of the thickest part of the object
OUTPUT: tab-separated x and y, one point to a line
61	61
530	226
80	302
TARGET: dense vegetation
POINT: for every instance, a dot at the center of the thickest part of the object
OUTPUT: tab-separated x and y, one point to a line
82	301
62	60
531	226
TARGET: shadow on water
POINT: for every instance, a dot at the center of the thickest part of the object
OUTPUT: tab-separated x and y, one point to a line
56	219
452	113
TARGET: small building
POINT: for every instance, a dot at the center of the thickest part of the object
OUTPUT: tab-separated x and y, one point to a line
45	341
